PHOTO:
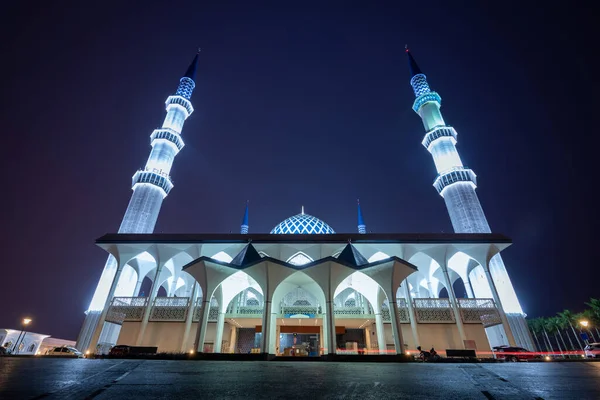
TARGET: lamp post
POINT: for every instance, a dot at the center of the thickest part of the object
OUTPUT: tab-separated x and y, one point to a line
25	322
584	324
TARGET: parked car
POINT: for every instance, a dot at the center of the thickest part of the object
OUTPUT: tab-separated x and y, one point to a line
64	351
513	354
119	350
592	350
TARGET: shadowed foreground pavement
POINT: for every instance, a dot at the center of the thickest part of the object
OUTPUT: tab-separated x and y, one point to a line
51	378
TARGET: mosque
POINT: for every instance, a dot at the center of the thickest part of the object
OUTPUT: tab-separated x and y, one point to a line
303	289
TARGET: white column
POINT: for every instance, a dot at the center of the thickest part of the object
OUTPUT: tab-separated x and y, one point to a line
151	297
202	323
136	291
233	339
189	318
432	294
219	336
323	337
368	339
380	332
331	339
468	288
273	334
396	328
507	330
454	304
411	314
109	298
266	322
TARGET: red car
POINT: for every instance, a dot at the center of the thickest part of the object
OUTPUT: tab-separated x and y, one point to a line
513	354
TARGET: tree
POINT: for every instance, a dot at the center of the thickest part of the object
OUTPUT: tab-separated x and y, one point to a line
594	309
563	324
568	318
534	327
553	326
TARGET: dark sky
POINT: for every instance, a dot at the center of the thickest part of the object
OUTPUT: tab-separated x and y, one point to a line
295	105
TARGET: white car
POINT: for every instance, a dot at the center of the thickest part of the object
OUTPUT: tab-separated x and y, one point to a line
65	351
592	350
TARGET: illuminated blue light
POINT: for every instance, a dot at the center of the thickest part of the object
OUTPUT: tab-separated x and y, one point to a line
426	98
302	224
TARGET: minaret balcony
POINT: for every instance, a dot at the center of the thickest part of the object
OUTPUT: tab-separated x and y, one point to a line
437	133
430	97
180	101
168	135
454	175
153	177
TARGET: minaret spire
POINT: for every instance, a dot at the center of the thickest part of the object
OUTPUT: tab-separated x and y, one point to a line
456	184
362	228
150	186
412	64
191	71
245	226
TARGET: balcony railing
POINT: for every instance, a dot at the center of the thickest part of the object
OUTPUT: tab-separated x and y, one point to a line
472	311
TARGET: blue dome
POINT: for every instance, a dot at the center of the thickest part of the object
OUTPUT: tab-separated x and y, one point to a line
302	224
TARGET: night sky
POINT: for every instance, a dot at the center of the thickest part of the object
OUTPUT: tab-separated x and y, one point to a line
294	105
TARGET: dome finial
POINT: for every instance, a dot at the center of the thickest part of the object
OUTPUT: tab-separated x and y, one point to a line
302	210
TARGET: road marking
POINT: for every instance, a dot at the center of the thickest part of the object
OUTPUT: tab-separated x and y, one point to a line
122	376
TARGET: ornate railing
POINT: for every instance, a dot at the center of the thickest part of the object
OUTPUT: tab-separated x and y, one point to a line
427	310
250	310
126	309
169	309
479	311
434	311
476	303
300	310
348	310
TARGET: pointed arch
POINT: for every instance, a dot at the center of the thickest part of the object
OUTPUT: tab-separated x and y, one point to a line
299	258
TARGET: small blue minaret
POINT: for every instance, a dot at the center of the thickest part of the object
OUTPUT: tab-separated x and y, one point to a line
244	227
362	228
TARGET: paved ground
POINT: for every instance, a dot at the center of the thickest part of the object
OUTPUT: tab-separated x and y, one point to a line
51	378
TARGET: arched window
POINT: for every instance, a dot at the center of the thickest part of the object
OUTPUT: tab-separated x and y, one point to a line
299	259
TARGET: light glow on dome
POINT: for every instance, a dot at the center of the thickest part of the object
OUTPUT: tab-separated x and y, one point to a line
302	224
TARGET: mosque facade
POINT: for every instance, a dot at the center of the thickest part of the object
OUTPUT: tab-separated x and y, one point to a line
303	289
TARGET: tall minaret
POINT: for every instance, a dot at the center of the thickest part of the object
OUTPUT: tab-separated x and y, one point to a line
362	228
150	187
244	227
456	184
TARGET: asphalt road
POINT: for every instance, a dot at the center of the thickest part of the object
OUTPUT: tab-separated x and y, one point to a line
51	378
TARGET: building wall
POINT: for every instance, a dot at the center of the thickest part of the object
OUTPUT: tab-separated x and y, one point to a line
167	336
442	337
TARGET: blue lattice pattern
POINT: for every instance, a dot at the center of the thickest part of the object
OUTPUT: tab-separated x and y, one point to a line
186	87
426	98
180	101
154	178
438	132
458	174
419	84
302	224
169	135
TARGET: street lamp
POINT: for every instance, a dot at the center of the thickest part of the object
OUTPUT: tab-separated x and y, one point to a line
25	322
584	323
